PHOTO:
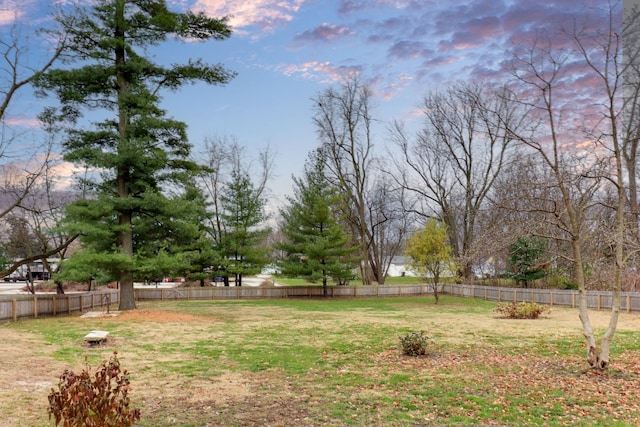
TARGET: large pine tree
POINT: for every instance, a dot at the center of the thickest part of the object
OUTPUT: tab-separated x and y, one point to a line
135	147
316	245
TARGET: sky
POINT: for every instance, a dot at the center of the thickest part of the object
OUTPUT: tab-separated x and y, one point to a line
288	51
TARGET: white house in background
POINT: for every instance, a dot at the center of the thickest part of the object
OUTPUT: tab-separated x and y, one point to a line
400	267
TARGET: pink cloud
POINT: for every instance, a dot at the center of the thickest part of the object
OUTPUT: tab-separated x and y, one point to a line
266	15
395	84
23	122
325	71
7	17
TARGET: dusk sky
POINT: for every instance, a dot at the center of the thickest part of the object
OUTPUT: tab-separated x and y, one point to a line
287	51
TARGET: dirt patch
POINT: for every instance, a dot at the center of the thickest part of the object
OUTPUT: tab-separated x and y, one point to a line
160	316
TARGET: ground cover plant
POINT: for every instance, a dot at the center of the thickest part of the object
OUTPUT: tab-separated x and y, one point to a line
332	362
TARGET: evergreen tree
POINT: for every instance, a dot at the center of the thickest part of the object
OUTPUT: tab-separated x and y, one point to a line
316	243
136	148
524	259
242	216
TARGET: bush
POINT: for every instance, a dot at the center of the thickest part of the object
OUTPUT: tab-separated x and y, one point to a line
557	279
414	344
100	400
523	310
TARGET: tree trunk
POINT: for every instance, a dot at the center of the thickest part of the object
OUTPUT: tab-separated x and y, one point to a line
127	293
125	235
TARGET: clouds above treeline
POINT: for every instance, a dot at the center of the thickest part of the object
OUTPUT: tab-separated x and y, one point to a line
420	38
385	39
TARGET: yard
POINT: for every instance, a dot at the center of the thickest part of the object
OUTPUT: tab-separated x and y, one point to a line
331	363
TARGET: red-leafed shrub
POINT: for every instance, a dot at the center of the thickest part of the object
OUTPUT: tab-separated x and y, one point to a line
98	400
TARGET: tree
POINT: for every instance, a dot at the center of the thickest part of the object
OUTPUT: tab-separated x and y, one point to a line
316	244
344	123
27	183
234	189
168	242
547	73
136	149
431	254
17	76
456	158
524	259
242	205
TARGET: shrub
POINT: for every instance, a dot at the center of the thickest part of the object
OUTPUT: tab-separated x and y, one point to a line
557	279
414	344
523	310
100	400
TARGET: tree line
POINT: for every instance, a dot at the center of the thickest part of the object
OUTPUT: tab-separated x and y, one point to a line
529	175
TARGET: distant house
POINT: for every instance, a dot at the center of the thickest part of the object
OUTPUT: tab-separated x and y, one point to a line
400	267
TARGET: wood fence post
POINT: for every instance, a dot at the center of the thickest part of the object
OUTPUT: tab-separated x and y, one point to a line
628	303
35	307
54	304
551	298
14	309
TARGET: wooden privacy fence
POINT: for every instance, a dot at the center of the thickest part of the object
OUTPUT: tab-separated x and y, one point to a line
23	306
599	300
264	292
596	300
14	307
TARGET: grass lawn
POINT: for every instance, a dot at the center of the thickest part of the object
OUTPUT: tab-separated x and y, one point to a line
332	363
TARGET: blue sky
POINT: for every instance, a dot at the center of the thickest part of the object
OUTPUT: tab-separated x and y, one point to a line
287	51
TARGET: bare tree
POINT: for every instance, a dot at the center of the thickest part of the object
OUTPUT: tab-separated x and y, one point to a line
630	119
547	74
27	198
33	207
454	161
344	124
15	75
388	225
